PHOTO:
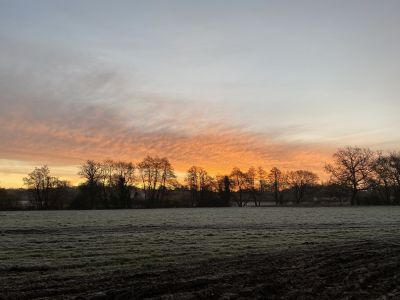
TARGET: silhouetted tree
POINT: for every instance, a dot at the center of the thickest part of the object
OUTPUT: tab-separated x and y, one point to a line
200	185
168	179
45	189
394	162
224	189
106	182
59	194
352	167
92	172
156	175
123	179
277	182
111	184
192	181
239	182
300	181
262	183
251	178
382	180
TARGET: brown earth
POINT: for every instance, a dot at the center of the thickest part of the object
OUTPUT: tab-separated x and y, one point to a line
358	270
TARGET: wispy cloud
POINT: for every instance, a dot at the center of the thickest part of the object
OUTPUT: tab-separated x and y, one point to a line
70	132
64	108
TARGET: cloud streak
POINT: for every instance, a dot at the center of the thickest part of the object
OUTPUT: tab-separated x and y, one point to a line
63	108
69	133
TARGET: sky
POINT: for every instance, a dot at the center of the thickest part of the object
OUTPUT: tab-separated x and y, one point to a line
216	84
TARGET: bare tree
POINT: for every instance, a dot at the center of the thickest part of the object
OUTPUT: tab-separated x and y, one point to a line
148	175
262	183
251	181
168	179
59	194
394	162
45	189
239	182
199	184
352	167
192	182
382	180
156	175
106	181
123	179
277	182
38	181
300	181
92	172
224	189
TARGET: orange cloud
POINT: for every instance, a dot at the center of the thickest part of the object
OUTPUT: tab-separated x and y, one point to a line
67	134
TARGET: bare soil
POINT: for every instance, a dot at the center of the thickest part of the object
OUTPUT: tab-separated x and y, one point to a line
367	269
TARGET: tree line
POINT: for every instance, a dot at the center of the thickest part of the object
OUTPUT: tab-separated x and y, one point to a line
356	175
116	184
359	170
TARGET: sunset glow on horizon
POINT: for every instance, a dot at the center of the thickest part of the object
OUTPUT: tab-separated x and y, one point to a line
216	84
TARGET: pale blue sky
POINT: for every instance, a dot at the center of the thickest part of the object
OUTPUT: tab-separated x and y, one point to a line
323	72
